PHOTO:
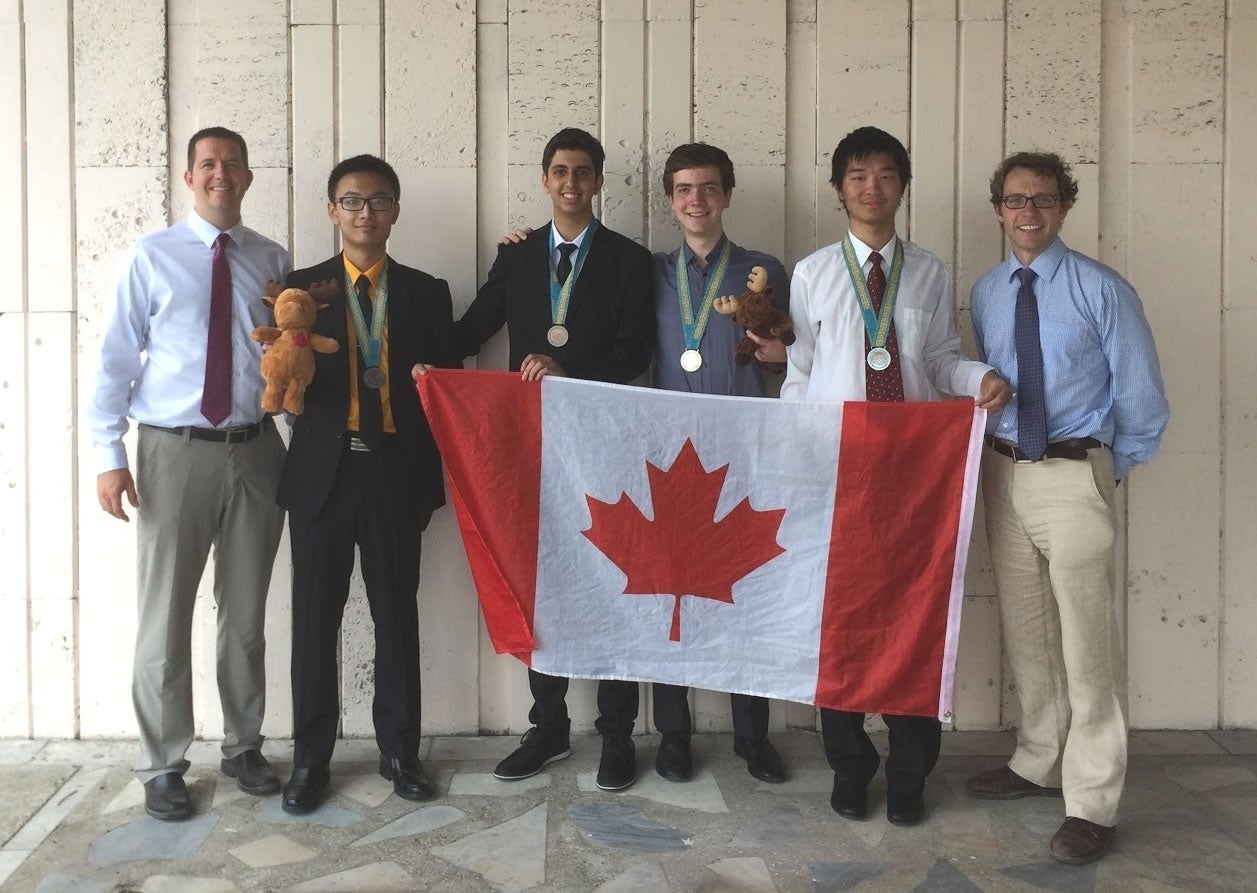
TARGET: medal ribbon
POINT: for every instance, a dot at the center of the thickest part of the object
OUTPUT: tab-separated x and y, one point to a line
877	325
691	327
561	295
369	342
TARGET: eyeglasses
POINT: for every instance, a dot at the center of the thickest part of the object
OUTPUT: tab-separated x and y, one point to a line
356	202
1041	201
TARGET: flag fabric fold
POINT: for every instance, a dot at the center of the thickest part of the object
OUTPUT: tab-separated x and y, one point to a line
806	551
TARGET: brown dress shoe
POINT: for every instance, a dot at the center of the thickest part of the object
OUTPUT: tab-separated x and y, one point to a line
1080	842
1005	784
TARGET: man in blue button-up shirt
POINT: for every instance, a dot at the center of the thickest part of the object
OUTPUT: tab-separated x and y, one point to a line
1088	406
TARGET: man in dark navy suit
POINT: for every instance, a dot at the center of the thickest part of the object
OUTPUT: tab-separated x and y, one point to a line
577	299
363	470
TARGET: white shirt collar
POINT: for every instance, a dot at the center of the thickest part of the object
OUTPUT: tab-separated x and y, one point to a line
559	240
207	232
863	251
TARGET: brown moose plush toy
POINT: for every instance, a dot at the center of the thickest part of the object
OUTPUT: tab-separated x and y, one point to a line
288	367
754	311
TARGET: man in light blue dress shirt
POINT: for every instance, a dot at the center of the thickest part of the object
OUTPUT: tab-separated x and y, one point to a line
177	358
1088	406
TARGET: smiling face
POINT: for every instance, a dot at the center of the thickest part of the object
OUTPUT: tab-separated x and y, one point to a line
571	183
699	200
871	190
219	178
1030	230
364	233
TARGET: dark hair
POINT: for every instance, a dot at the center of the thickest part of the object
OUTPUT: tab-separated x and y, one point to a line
573	139
363	164
217	133
698	155
863	142
1045	164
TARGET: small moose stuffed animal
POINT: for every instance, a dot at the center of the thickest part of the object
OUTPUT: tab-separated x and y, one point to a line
754	311
288	366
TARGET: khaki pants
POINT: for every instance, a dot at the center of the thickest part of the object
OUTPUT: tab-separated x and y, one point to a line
195	494
1052	528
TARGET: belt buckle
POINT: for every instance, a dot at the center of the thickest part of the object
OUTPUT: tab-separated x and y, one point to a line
240	435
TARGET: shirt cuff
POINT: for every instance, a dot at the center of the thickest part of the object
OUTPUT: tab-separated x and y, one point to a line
110	457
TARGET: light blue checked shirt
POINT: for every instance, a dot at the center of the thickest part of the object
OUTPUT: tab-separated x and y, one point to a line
1101	375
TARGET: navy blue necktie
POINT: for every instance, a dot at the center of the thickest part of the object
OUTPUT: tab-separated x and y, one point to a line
1031	409
564	268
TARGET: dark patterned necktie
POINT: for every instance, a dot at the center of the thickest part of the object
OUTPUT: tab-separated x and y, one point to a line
370	413
216	394
564	268
886	385
1031	408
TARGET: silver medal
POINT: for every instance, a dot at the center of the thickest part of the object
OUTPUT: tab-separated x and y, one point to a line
691	360
879	359
557	336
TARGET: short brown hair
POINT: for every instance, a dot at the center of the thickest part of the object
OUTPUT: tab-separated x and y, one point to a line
217	133
693	155
1045	164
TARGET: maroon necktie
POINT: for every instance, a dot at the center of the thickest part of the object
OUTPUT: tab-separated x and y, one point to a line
885	386
216	396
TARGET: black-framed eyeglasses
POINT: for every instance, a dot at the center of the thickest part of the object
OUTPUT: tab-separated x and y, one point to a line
377	202
1042	201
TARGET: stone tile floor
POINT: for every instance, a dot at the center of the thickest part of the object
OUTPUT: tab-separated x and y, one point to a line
72	821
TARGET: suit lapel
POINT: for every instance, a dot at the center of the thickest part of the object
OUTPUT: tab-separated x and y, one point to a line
333	323
399	299
584	285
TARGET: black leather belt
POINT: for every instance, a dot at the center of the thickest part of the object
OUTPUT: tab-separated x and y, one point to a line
1073	448
243	434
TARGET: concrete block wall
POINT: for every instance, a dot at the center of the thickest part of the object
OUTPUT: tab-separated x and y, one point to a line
1154	104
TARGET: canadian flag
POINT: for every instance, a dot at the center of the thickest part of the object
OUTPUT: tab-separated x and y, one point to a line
812	552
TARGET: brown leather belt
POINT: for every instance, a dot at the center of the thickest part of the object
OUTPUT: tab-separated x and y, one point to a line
1073	448
242	434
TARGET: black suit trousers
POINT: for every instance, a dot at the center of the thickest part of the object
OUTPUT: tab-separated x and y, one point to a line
617	705
367	509
914	746
672	713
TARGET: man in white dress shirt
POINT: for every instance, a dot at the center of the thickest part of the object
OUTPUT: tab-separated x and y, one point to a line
873	316
177	358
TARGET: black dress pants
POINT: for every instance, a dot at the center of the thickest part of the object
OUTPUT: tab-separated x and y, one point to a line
365	508
914	746
617	705
672	713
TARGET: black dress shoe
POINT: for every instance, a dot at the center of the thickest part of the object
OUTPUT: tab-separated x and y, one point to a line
851	801
410	782
762	759
617	769
253	774
305	789
905	809
166	798
673	760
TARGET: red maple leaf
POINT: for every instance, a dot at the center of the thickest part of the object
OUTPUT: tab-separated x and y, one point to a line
684	550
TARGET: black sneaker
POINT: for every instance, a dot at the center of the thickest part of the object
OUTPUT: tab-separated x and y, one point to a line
617	769
535	750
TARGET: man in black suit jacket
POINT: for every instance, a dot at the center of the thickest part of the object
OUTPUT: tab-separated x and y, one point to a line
577	299
363	470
